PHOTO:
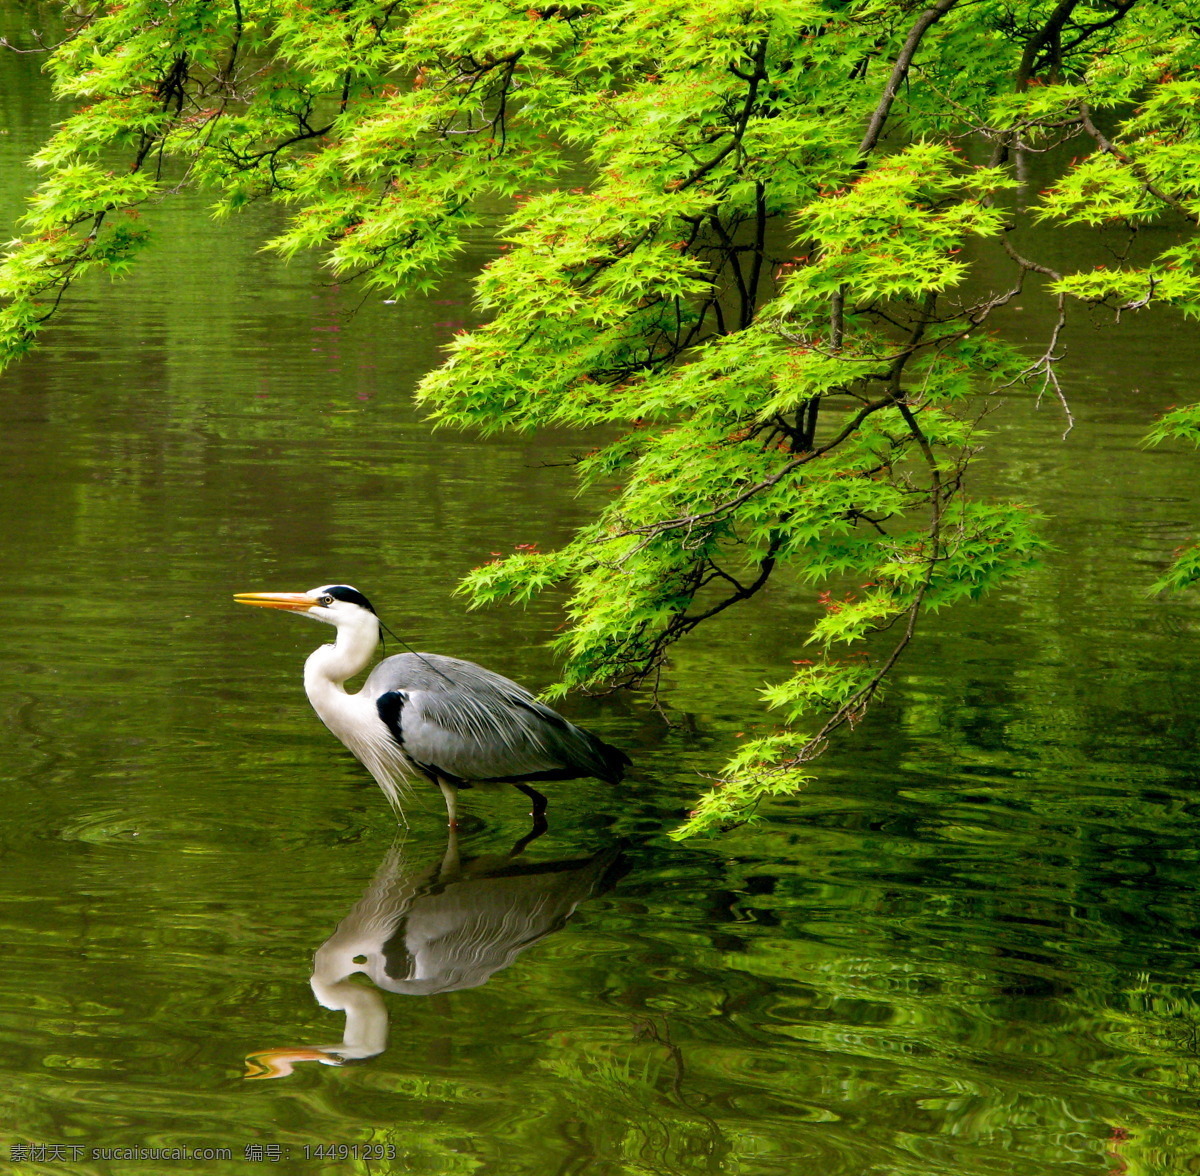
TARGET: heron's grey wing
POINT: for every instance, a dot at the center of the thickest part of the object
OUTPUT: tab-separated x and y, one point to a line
468	723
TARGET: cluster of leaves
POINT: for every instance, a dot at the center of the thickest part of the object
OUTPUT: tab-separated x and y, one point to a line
756	288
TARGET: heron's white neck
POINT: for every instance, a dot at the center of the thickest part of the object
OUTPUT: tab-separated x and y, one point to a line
328	667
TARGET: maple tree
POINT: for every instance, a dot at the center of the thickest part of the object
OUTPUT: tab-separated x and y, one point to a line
762	287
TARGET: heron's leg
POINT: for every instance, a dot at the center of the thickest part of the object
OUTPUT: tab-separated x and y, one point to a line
539	810
538	814
451	795
519	847
451	861
539	801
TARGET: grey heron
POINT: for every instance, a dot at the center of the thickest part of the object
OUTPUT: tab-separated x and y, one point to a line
426	715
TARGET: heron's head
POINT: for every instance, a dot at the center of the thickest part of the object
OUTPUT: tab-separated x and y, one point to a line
335	604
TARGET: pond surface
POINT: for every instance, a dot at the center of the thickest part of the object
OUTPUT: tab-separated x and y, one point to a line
969	949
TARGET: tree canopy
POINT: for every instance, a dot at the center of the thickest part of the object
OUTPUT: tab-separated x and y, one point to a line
741	238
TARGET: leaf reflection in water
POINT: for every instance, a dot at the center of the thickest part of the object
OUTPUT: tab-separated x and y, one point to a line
421	930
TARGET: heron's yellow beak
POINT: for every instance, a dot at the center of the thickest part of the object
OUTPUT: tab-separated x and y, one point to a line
291	601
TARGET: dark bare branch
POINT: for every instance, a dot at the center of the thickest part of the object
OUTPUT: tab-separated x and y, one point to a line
895	80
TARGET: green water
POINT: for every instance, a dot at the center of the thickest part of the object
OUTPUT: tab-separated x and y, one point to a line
969	950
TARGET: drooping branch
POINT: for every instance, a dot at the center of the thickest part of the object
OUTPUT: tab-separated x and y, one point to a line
1124	158
891	378
1046	364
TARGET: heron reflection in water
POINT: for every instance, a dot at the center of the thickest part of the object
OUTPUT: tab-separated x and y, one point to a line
439	929
422	714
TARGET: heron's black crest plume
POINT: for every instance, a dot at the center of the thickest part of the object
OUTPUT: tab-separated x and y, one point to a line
406	646
350	596
353	596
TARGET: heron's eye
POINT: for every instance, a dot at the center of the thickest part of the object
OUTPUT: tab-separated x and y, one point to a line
326	599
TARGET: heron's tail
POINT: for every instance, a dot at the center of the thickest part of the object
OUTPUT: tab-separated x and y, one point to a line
613	759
